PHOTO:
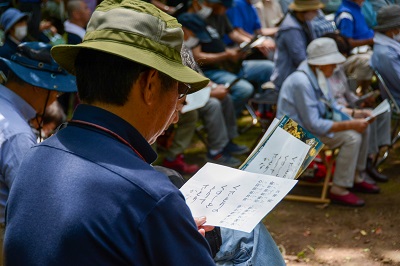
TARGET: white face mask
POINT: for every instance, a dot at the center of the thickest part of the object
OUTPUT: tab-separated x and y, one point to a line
322	82
21	32
396	37
191	42
204	12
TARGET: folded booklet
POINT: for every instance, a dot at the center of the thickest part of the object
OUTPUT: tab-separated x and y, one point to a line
246	47
239	199
383	107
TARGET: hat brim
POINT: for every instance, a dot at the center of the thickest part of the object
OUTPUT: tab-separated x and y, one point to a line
65	56
298	8
15	20
331	59
42	79
382	28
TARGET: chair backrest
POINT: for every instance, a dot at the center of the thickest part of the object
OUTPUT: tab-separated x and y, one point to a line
386	92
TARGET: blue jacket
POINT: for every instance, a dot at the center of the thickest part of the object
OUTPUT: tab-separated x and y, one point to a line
299	98
82	197
16	137
291	42
351	22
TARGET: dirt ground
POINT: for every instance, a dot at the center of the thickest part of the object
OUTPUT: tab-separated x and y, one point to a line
313	234
316	234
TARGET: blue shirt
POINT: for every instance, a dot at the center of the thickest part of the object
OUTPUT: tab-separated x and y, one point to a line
351	22
16	137
83	197
299	98
243	15
386	60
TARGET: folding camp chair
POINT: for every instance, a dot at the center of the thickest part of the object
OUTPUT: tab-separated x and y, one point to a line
395	132
325	153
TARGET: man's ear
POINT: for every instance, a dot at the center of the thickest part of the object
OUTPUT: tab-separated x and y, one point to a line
149	85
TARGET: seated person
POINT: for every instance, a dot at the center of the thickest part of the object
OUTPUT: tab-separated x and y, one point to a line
219	121
244	18
379	129
220	64
351	23
78	17
231	247
321	25
269	12
294	34
15	26
386	56
306	98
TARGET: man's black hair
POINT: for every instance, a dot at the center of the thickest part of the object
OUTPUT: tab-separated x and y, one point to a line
341	41
107	78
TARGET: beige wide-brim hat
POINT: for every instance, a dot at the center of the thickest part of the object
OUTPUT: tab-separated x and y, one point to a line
306	5
324	51
139	32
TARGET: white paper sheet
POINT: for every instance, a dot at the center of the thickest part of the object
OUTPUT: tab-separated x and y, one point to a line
281	156
233	198
380	109
196	100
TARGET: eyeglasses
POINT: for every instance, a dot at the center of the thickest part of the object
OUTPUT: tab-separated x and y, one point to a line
183	90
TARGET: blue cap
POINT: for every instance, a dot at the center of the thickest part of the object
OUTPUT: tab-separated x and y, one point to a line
33	64
194	23
10	17
225	3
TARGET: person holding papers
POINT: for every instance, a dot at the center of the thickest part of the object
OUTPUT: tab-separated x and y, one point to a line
386	56
224	65
306	98
379	129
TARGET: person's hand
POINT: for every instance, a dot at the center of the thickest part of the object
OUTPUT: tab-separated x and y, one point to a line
234	54
202	229
266	47
219	92
44	25
358	125
366	113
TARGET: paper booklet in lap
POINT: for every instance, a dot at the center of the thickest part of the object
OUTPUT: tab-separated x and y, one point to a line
239	199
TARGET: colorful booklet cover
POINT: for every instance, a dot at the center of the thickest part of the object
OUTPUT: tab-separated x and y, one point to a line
285	144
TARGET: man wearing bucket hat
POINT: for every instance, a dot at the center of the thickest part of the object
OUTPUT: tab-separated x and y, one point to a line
386	56
306	98
294	34
15	27
97	199
33	84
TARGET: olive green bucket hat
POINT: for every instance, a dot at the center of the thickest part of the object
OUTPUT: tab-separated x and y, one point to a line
137	31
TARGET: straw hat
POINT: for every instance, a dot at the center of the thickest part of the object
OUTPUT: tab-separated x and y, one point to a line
305	5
